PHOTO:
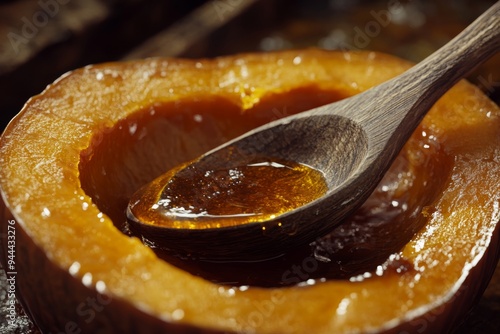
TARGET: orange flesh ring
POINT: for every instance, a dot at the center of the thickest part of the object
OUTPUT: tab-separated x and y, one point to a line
47	154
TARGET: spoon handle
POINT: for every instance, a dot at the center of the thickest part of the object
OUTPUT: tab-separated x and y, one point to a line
473	46
407	98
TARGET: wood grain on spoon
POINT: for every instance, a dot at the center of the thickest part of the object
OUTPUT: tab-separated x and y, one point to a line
353	142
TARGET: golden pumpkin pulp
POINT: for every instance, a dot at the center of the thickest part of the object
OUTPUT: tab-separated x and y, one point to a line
188	197
412	259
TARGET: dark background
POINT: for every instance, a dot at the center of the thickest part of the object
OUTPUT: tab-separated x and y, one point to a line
42	39
81	32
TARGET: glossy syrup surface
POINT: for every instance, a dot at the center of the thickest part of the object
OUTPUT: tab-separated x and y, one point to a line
257	191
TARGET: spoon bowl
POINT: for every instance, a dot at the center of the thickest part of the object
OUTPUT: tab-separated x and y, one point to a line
331	143
353	142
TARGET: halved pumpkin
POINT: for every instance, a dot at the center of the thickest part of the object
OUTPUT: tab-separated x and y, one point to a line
74	155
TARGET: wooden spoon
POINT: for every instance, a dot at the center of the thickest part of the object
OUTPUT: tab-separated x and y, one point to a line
353	142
